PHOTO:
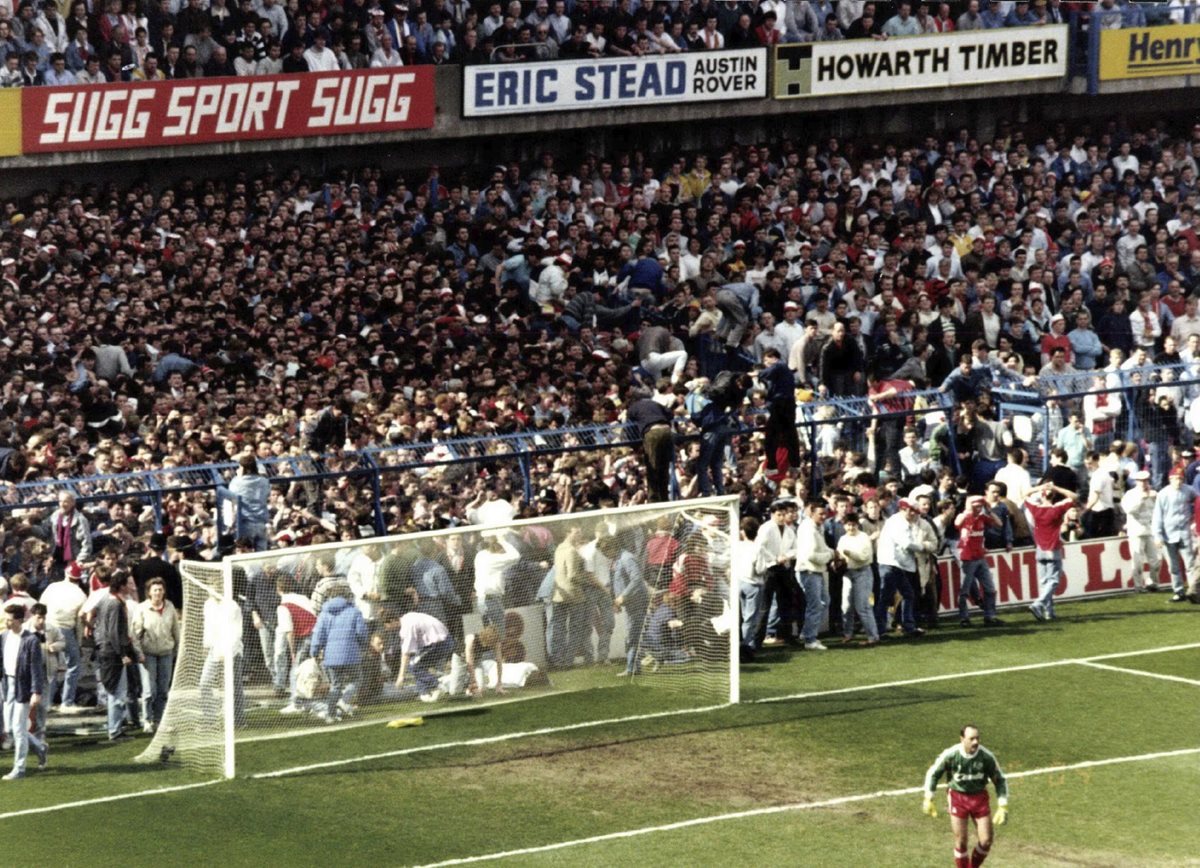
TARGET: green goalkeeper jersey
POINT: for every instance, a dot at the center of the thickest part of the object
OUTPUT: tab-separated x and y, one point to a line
967	774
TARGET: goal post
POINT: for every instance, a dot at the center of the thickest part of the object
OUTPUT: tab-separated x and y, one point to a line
296	641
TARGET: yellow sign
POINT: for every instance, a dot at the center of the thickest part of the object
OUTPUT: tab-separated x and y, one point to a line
10	122
1148	52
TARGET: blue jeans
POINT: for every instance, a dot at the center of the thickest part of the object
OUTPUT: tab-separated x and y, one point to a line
71	685
266	641
257	533
158	668
567	633
857	586
341	686
754	604
711	466
16	725
600	606
977	571
115	701
635	606
432	657
1181	560
816	603
492	611
896	579
1049	575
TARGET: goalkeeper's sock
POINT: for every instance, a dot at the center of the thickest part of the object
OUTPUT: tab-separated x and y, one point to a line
979	855
961	859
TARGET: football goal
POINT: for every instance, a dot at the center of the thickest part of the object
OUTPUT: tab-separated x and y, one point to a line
298	641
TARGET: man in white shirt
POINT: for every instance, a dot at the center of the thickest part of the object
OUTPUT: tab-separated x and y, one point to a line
425	645
491	506
492	562
63	600
1098	515
1138	506
813	555
897	548
1017	481
362	578
320	58
775	554
914	457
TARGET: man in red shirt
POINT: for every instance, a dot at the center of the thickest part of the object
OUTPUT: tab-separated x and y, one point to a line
883	395
972	561
1047	540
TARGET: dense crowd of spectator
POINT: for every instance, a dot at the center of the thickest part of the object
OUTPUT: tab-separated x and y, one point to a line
278	315
58	42
281	315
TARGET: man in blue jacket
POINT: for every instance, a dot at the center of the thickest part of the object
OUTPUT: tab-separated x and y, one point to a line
23	675
338	641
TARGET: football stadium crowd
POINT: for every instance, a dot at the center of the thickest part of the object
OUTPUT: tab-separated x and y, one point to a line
277	314
59	42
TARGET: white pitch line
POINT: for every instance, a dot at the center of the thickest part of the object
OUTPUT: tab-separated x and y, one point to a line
84	803
977	673
596	723
1160	675
685	711
800	806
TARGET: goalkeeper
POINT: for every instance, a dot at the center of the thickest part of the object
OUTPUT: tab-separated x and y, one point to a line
968	766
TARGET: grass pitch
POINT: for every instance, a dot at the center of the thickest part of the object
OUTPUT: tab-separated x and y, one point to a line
818	766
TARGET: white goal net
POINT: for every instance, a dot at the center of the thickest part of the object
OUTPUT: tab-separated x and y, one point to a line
301	640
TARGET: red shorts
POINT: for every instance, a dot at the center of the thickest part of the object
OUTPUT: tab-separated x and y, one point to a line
970	805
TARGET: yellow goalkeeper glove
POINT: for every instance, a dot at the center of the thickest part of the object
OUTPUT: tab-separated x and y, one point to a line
1001	816
928	809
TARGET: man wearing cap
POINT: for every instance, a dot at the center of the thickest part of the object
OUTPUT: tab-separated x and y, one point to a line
1138	506
790	330
972	560
1172	528
23	676
1047	511
551	284
898	545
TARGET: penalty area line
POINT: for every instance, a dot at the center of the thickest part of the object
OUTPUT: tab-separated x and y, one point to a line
1162	676
954	676
800	806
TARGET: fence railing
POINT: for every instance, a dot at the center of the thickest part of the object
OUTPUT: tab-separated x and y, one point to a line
856	423
375	467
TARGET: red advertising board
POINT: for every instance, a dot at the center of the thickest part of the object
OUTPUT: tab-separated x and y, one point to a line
1091	568
164	113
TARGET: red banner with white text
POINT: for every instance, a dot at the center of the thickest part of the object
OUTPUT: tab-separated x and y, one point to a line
192	111
1090	568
